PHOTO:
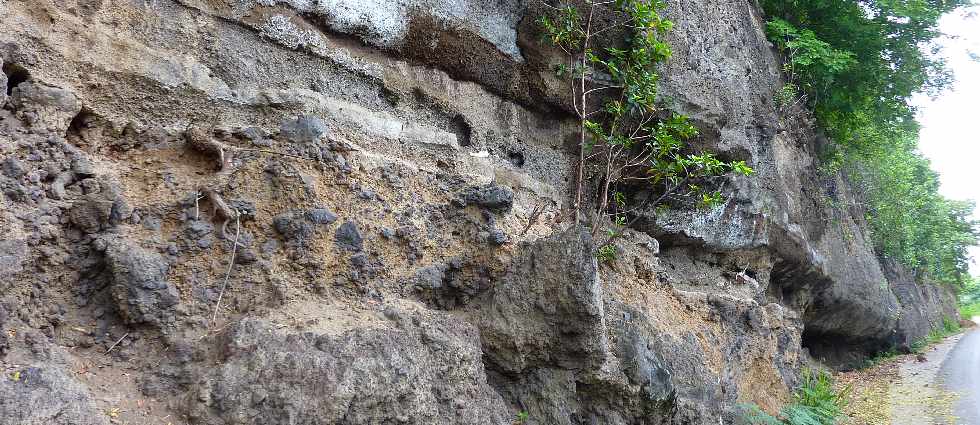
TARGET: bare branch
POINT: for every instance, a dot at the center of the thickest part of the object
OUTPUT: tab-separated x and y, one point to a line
646	202
604	87
116	343
533	218
231	263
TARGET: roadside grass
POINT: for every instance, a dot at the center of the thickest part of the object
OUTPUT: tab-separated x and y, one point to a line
969	311
871	385
859	396
969	299
948	327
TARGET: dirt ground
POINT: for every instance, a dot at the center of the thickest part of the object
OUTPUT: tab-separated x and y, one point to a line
902	390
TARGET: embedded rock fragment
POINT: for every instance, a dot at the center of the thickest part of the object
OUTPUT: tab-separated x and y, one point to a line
349	237
90	214
548	309
3	85
294	227
45	107
13	168
303	129
493	197
139	284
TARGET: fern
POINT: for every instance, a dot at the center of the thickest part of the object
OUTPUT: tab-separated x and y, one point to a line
754	415
816	402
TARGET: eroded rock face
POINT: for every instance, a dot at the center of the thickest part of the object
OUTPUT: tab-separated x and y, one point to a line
402	251
139	284
387	25
923	307
574	342
45	107
46	394
412	368
548	309
723	74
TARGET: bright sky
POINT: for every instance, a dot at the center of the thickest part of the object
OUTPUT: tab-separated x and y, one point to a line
951	122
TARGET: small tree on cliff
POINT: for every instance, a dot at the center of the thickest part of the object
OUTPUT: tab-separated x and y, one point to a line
625	138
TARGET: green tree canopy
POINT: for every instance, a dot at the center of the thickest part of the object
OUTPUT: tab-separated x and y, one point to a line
857	65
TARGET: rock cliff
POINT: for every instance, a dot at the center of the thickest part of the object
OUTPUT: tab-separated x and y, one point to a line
355	212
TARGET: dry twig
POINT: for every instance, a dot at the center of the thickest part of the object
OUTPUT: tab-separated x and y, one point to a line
533	218
116	343
231	263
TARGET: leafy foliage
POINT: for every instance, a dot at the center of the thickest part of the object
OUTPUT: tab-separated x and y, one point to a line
970	299
564	30
813	62
886	65
968	311
910	220
815	402
606	253
626	138
857	64
971	291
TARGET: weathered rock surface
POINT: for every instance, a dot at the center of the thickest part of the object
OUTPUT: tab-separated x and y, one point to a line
91	214
359	291
548	309
628	349
139	284
723	74
3	85
12	256
45	393
923	307
409	367
304	129
45	107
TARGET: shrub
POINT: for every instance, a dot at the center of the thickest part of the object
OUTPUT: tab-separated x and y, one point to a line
606	253
625	137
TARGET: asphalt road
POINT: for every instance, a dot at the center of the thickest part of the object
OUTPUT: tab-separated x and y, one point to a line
960	374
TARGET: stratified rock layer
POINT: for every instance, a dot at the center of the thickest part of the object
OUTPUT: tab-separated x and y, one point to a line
357	212
412	368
